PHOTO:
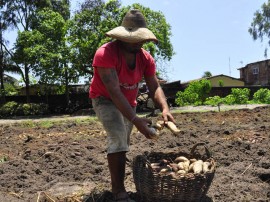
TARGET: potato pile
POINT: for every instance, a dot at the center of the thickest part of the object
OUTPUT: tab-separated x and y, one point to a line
181	166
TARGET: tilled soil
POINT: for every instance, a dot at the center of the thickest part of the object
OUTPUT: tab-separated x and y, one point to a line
67	161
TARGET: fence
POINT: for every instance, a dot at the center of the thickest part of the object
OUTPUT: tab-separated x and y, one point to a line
82	101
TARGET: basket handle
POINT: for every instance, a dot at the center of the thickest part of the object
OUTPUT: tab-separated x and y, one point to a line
146	162
208	153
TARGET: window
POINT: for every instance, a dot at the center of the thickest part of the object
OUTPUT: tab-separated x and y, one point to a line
255	70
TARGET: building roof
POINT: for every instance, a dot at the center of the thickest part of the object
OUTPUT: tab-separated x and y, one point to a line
220	75
253	63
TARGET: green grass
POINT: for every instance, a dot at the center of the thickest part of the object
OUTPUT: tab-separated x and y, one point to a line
48	123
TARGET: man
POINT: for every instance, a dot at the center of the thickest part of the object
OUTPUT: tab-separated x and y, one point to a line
118	68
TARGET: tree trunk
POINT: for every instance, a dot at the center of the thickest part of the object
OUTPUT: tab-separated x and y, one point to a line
2	93
67	87
27	91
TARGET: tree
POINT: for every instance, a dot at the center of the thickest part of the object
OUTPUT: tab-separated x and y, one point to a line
206	74
260	26
45	49
6	64
95	18
87	32
22	15
195	94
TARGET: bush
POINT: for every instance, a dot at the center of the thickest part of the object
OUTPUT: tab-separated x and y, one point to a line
241	96
194	94
229	100
213	101
8	109
262	96
11	109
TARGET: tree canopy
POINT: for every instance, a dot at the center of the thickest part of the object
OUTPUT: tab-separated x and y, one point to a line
95	17
206	74
58	47
260	26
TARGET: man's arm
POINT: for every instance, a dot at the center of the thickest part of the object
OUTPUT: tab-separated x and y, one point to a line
110	80
158	96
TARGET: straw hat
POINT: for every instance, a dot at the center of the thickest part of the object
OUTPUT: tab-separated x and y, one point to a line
133	29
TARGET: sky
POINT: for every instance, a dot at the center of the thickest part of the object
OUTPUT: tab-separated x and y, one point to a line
208	35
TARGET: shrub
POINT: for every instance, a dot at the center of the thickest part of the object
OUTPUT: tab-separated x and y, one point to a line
15	109
213	101
220	83
8	109
194	94
262	96
241	96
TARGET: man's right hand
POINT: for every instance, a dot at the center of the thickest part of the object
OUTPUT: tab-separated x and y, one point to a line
142	124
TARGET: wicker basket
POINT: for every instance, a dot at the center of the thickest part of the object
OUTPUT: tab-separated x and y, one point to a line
152	186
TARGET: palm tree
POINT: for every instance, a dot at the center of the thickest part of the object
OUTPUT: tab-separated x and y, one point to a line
206	74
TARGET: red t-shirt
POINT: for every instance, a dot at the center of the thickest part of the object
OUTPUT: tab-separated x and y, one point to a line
109	56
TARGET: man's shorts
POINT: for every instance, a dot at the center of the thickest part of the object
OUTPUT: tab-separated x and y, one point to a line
117	127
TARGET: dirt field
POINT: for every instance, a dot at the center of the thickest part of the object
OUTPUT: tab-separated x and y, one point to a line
66	161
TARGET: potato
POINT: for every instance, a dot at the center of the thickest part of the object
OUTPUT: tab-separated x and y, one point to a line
155	164
174	167
206	166
173	127
183	162
180	159
163	162
154	134
165	170
172	174
158	125
198	167
190	168
181	172
192	160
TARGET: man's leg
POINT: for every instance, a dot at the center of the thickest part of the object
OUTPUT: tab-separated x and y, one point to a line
117	166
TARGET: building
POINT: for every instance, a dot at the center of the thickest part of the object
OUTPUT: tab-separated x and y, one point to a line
221	81
256	74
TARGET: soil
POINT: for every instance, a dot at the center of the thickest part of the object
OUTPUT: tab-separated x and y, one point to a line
66	161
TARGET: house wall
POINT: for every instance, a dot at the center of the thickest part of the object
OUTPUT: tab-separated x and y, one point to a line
227	81
256	73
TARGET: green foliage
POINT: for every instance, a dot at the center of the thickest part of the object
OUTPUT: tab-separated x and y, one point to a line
213	101
237	96
241	95
260	26
194	94
220	83
95	18
29	47
8	109
206	74
262	96
229	100
186	98
17	109
58	49
10	89
46	124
